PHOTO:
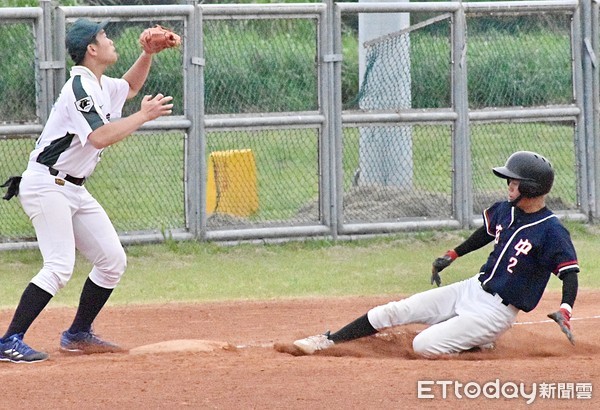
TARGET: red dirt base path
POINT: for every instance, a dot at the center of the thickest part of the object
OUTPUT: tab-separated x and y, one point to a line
239	355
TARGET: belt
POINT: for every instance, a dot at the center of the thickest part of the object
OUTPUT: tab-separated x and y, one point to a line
491	292
67	177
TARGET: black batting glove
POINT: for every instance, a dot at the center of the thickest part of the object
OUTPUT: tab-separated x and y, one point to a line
440	264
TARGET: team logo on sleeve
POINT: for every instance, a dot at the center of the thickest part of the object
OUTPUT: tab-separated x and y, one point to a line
85	104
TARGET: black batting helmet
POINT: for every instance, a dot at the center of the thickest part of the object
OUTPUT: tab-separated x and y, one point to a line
534	172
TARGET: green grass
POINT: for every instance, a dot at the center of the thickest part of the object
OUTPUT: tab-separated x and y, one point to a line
200	272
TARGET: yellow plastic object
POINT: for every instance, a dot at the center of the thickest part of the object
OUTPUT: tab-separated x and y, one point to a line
231	183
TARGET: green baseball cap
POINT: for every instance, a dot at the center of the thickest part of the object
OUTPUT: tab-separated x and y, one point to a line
80	35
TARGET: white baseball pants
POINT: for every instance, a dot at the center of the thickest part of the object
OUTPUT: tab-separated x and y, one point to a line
66	217
462	316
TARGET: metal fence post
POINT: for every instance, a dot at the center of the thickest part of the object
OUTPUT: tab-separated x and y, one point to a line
331	109
582	72
58	27
195	169
591	90
337	188
461	182
45	50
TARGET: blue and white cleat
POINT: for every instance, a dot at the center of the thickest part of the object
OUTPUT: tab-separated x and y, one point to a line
86	343
14	349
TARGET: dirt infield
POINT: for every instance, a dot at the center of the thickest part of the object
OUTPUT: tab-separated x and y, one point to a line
238	355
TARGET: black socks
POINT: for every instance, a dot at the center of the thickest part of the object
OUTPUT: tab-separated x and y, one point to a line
361	327
93	298
33	301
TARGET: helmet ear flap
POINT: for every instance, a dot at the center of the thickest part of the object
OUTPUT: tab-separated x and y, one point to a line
529	189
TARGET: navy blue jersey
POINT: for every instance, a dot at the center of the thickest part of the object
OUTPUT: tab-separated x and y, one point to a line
527	249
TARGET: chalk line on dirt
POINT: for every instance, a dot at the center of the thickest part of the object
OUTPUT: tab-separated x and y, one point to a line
552	321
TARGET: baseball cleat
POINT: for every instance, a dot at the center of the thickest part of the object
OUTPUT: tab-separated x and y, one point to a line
488	346
13	349
313	343
86	343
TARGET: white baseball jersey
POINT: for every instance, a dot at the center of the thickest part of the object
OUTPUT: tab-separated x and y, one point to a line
82	106
65	215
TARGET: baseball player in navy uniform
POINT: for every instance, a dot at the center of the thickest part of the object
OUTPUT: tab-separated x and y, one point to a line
84	120
530	244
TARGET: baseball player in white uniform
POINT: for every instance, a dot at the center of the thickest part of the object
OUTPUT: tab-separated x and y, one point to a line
84	120
530	244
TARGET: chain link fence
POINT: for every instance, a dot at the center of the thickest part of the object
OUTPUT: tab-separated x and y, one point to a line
140	182
517	67
420	194
261	65
290	122
17	85
519	60
554	139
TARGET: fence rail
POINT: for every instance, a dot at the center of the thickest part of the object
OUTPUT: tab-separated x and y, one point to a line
350	125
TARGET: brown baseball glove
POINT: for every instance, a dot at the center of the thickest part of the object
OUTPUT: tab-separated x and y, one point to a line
157	38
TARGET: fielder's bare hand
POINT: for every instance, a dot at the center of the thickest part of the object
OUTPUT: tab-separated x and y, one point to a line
157	106
563	318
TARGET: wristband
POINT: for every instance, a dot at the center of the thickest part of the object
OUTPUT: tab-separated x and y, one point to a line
567	307
452	254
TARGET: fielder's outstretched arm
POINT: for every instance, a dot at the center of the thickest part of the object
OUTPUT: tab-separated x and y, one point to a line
151	108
